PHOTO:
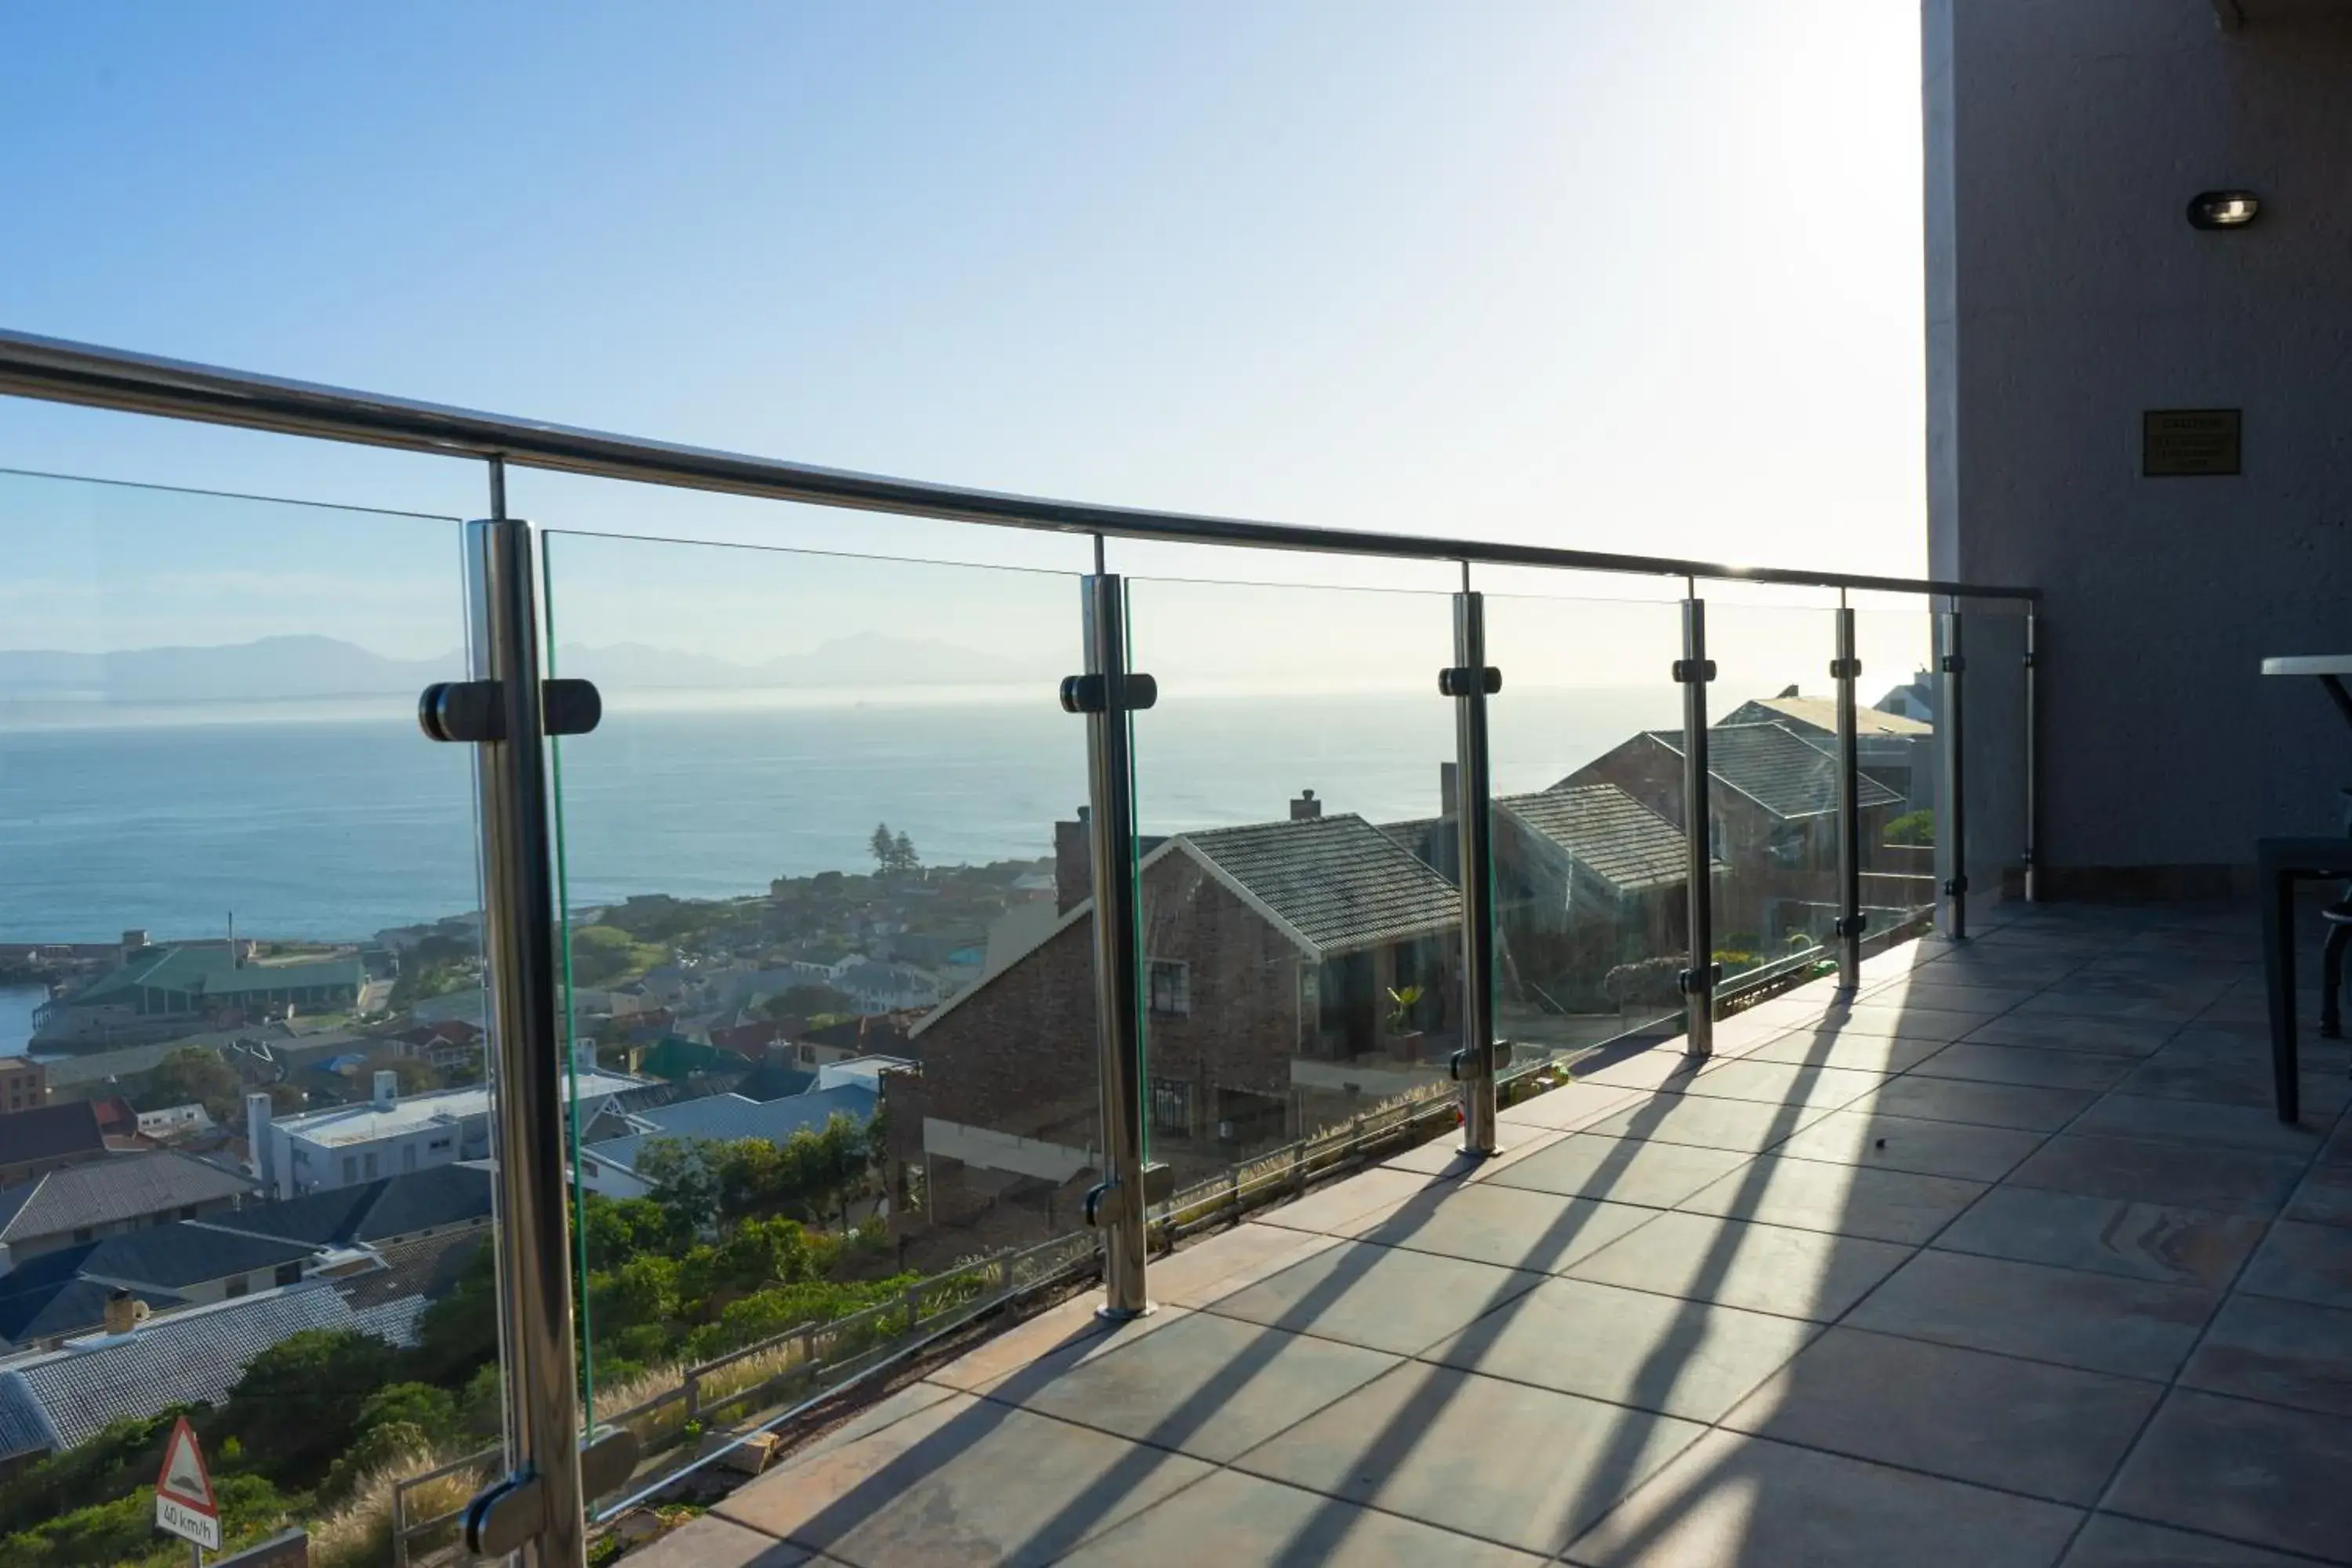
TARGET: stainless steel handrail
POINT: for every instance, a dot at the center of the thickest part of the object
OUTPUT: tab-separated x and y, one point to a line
55	371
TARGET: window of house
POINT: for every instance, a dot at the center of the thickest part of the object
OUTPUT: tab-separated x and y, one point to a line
187	1211
351	1170
1171	988
408	1156
237	1287
438	1144
290	1274
1171	1105
371	1165
82	1235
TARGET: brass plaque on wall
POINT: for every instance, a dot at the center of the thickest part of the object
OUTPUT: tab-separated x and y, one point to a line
2188	443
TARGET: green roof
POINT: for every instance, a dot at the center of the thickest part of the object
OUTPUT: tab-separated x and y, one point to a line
210	972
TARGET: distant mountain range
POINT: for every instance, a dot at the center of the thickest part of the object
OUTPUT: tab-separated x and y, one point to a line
289	667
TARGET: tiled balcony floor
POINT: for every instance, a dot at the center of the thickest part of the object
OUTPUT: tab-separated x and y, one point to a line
2007	1263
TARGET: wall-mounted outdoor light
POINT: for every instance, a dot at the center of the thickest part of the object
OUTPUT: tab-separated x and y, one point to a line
2223	209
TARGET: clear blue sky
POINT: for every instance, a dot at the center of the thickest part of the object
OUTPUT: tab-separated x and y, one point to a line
1621	277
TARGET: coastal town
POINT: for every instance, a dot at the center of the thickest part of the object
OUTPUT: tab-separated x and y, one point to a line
217	1148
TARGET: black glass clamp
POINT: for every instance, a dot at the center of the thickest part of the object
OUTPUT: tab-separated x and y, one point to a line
1845	668
1462	680
473	710
1689	670
1954	663
1691	983
1091	693
1850	925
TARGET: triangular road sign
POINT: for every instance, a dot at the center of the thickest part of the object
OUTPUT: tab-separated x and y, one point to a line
183	1478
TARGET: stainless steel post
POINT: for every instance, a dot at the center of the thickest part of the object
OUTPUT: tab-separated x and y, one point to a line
1469	683
1117	1206
1951	807
2032	783
1695	670
518	935
1844	670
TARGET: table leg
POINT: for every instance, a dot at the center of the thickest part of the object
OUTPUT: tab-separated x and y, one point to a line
2278	955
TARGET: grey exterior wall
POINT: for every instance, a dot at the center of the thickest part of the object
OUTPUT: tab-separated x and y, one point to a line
2066	293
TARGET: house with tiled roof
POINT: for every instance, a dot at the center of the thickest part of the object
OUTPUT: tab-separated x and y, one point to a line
1772	807
106	1198
1892	747
47	1138
53	1400
1270	951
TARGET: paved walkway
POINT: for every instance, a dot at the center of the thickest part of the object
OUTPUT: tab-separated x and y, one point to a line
2006	1264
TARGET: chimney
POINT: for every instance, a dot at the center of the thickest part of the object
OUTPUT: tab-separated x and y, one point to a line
1074	874
257	1137
124	1312
1306	808
134	941
387	1088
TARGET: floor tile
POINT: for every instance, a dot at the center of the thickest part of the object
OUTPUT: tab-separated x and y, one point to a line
2252	1472
1972	992
1621	1170
2108	1542
1236	1520
2027	1065
2325	1198
1906	1143
1978	1104
2108	1037
1222	1264
2105	1235
1443	1157
1735	1501
1060	1332
1209	1386
1783	1083
896	1407
1864	1053
1569	1107
2231	1081
2101	1322
1513	1227
1734	1263
1386	1298
1526	1465
1868	1017
1736	1124
712	1541
1328	1209
2337	1150
2046	1431
1627	1347
2288	1353
2195	1121
2219	1180
1851	1200
2304	1263
964	1481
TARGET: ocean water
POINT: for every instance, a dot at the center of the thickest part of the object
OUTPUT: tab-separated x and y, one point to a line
335	821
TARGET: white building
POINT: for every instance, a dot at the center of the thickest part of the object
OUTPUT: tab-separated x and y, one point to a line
390	1136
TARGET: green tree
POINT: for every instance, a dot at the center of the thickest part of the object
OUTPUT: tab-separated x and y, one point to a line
194	1075
604	954
883	847
459	1332
618	1229
902	851
1912	827
806	1002
299	1404
686	1183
